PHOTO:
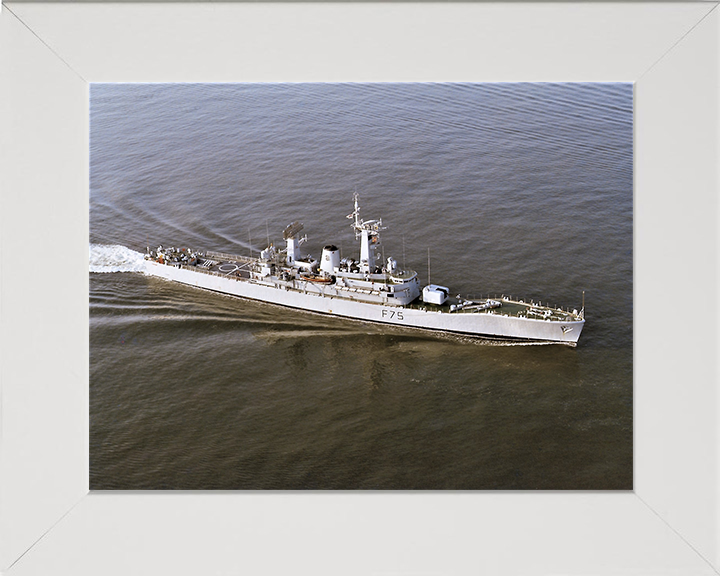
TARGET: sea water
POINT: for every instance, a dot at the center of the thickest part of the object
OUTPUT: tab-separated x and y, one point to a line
515	189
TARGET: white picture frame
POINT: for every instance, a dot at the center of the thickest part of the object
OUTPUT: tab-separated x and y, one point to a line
51	524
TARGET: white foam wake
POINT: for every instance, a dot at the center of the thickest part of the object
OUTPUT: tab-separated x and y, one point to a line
104	258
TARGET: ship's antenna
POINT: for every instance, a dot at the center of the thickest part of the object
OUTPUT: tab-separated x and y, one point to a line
403	251
250	242
582	310
428	265
267	231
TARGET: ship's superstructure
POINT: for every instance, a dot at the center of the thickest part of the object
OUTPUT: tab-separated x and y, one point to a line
369	288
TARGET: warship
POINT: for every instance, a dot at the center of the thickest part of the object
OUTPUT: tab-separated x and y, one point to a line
369	288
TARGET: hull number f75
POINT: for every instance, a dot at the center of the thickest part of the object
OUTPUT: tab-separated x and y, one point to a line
398	315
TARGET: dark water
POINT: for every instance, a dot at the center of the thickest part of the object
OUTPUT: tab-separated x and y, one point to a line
521	189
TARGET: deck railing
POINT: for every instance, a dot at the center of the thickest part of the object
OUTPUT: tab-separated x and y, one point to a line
234	257
230	275
201	270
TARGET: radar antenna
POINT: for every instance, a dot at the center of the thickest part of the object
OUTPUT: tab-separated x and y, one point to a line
292	230
371	226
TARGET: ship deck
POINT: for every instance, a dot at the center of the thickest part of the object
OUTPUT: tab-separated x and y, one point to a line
508	308
233	269
237	267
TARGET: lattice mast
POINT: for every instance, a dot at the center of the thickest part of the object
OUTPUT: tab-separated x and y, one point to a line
369	234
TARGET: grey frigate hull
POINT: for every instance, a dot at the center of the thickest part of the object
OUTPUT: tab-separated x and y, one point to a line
335	301
367	289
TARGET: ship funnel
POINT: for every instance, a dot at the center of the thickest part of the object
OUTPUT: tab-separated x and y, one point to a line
330	259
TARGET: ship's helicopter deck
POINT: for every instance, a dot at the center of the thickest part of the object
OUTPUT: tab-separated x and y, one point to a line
228	268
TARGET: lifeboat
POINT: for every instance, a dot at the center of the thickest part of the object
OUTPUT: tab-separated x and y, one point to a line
316	278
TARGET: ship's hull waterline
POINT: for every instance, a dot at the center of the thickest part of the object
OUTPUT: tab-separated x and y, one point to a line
323	299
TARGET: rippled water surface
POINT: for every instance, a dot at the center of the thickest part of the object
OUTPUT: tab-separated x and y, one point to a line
520	189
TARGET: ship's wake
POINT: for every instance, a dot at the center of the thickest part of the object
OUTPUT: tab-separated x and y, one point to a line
105	258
